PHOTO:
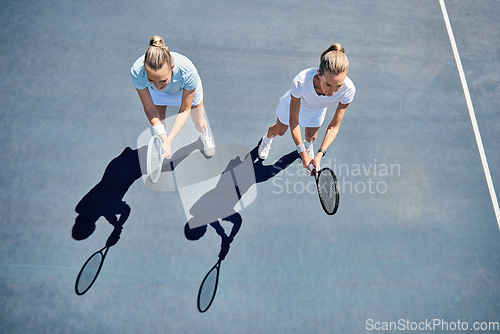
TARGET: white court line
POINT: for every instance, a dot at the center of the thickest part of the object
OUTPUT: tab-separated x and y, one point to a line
472	115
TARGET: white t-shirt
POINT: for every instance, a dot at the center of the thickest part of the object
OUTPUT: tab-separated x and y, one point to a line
313	107
303	88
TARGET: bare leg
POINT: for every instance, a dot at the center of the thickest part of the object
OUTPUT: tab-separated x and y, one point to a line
162	111
311	134
197	117
201	125
278	129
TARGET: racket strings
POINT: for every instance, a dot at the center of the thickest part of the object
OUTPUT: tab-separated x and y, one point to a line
328	191
156	160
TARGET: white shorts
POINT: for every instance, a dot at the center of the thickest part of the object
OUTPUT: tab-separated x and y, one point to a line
308	118
163	99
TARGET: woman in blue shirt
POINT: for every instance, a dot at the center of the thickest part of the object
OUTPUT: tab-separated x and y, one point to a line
164	78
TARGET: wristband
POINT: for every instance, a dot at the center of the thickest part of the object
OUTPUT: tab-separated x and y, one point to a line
159	129
301	148
322	151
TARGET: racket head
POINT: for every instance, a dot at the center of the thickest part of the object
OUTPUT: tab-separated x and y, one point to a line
328	190
154	158
208	288
89	272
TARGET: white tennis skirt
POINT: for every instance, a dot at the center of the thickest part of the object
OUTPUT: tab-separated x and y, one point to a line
309	118
163	99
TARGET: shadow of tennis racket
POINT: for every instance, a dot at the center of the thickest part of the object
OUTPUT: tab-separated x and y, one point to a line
208	287
90	270
92	267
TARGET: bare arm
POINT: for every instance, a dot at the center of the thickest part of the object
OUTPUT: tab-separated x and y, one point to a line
331	132
295	128
150	110
154	117
149	107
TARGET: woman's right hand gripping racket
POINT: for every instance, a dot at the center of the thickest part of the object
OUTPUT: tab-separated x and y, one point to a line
155	158
328	189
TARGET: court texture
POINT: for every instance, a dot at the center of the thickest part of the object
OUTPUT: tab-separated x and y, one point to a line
415	243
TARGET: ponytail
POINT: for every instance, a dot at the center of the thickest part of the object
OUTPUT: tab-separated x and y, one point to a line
157	54
334	60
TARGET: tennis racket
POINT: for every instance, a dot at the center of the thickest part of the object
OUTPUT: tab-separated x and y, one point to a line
328	189
155	158
90	270
208	288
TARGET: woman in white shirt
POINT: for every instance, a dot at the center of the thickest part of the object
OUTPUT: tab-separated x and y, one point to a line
305	104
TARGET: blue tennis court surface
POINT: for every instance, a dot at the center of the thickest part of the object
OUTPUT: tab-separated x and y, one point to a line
415	241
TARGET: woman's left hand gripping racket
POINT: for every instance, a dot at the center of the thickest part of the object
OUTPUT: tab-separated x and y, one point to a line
155	158
328	189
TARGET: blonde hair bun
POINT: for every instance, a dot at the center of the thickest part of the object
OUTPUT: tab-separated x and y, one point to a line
156	41
157	54
334	60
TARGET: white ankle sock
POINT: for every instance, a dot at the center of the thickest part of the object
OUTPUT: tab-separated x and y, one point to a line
267	139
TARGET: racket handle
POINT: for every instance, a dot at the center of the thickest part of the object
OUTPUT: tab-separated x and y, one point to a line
311	168
162	150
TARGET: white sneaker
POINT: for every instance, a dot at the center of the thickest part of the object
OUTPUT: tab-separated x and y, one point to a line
265	147
310	151
208	144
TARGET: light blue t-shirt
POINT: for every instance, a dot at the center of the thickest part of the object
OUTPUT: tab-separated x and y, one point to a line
184	75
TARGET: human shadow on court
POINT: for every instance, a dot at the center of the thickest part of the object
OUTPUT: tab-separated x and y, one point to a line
105	199
219	203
